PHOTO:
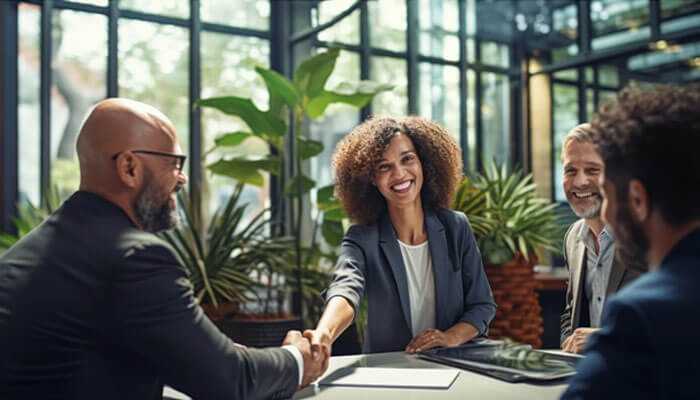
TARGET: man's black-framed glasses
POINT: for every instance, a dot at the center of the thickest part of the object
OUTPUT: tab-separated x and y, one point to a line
180	158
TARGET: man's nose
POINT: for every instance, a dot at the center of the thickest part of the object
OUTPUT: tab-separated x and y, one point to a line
581	179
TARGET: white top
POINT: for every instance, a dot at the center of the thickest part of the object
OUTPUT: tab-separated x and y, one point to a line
421	285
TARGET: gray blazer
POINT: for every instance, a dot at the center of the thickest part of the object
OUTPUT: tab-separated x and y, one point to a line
371	263
575	258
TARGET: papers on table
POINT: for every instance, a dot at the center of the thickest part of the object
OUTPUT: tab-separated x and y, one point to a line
392	377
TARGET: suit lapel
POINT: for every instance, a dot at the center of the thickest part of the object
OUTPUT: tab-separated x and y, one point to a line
437	243
390	247
617	271
579	258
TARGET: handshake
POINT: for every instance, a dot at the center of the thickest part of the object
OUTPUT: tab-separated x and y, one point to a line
315	348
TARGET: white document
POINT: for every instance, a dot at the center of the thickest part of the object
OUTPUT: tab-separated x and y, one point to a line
425	378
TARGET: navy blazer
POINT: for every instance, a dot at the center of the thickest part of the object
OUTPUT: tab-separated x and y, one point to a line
371	263
647	346
93	308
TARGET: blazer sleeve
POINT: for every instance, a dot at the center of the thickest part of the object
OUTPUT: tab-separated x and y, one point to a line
618	363
349	274
479	306
565	323
154	314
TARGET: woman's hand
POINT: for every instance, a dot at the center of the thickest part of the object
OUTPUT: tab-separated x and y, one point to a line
429	339
321	342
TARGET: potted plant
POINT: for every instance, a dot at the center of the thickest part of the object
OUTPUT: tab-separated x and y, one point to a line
511	224
232	263
29	216
290	103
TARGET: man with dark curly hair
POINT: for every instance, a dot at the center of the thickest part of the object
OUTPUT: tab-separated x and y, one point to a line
649	142
415	259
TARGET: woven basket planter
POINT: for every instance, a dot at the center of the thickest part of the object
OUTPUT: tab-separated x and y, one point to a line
518	316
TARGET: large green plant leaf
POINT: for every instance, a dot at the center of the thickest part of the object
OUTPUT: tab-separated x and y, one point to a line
308	148
311	76
260	122
332	231
278	86
246	170
232	139
358	96
292	188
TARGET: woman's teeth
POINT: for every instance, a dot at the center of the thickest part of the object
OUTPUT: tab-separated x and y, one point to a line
401	186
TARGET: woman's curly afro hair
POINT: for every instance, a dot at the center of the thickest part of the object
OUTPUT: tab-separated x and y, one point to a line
356	157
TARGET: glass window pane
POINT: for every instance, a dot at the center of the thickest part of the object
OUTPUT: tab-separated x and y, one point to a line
337	121
254	14
439	96
471	120
391	71
439	28
605	96
590	104
608	76
563	37
567	74
79	73
497	54
101	3
590	75
495	118
28	124
174	8
470	24
678	15
228	64
345	31
565	109
153	68
387	22
618	22
674	8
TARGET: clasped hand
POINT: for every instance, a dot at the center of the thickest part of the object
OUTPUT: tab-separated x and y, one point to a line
315	362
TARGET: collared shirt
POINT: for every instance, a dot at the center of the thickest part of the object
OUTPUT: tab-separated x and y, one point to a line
421	285
598	268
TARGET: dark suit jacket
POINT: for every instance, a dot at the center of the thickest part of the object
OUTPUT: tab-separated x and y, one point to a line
647	346
93	308
575	313
371	263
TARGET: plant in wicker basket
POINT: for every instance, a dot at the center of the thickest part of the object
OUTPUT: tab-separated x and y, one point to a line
511	224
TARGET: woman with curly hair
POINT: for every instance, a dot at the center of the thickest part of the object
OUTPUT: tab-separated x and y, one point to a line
416	260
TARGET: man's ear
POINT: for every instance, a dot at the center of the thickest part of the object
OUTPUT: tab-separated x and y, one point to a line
638	200
129	169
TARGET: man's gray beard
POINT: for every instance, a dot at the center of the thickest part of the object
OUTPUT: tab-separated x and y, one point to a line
152	216
590	212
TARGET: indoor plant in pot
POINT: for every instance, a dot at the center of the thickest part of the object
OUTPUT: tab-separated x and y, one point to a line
511	225
282	126
234	262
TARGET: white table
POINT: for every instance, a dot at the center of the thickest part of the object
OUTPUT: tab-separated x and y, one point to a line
468	385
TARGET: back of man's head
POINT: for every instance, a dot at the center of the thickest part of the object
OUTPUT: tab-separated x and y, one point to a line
653	136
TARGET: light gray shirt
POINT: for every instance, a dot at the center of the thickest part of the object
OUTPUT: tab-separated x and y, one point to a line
421	285
598	267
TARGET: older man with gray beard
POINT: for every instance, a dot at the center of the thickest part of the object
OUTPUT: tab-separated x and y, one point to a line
596	270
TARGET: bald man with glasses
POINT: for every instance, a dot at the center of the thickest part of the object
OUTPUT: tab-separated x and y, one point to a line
93	305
